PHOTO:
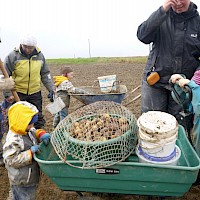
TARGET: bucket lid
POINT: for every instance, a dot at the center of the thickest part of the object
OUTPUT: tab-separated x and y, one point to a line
157	122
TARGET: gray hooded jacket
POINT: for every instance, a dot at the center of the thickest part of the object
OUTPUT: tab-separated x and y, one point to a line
175	42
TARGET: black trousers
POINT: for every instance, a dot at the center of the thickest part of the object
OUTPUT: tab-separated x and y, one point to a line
35	99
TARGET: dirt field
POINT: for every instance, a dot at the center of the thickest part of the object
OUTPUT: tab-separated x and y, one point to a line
130	75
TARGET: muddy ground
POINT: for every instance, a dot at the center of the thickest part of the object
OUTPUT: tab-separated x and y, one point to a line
130	75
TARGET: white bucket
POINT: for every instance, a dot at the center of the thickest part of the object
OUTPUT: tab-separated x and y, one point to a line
56	106
159	160
107	83
158	124
157	133
157	138
158	148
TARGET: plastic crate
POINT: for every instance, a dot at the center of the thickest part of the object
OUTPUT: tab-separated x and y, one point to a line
128	177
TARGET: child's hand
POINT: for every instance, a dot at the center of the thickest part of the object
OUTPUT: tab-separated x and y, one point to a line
35	149
182	82
45	138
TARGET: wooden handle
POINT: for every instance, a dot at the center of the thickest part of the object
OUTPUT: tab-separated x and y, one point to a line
6	76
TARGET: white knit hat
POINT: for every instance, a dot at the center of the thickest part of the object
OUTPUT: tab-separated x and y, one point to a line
28	40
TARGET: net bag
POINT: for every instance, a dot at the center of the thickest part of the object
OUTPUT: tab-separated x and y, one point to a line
97	135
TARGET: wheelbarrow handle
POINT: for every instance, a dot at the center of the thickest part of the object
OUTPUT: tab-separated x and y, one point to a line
6	76
185	89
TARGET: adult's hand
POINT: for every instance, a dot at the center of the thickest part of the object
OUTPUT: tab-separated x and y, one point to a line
168	4
176	77
50	96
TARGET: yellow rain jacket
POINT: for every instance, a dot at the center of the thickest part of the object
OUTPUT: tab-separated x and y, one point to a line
28	71
59	79
64	86
22	169
19	116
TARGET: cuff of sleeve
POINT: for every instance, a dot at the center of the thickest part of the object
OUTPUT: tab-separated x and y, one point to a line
40	132
192	84
30	154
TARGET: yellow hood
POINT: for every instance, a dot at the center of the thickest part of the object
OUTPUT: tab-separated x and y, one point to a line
19	116
59	79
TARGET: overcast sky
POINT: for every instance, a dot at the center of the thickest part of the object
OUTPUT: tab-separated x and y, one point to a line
67	28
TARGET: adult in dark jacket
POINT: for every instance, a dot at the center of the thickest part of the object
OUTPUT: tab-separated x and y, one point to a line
174	32
28	68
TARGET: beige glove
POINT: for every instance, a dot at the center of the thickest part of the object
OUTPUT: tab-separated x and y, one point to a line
7	84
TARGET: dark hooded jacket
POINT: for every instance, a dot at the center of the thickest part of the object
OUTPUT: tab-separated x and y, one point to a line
175	42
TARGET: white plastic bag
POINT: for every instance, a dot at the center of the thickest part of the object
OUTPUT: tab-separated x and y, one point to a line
56	106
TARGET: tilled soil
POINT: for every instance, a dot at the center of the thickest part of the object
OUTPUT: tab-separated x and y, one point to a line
128	74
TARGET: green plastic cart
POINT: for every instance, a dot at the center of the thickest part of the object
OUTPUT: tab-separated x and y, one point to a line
128	177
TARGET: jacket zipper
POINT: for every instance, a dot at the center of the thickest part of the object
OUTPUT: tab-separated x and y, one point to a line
29	75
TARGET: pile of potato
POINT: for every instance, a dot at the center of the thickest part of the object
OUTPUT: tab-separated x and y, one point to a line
99	128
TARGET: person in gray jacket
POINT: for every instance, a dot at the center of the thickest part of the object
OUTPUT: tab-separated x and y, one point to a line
174	32
28	68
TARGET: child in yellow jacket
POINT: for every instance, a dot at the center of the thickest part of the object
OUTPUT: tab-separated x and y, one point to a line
64	87
20	145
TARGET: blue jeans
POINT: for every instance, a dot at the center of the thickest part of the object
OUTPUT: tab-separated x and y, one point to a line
60	116
23	192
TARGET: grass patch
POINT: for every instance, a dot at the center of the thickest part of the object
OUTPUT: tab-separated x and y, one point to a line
62	61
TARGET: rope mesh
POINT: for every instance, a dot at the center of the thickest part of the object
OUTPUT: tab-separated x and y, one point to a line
98	135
